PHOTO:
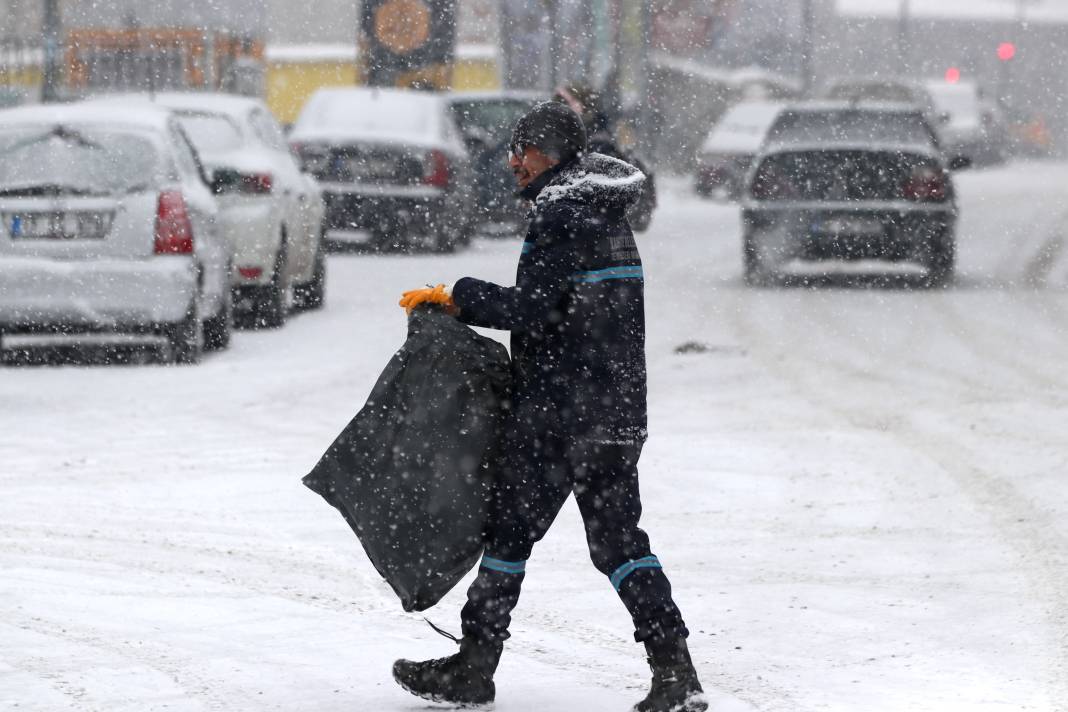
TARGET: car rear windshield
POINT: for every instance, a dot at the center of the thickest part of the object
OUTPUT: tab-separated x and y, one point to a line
872	92
211	133
851	126
76	160
494	118
839	175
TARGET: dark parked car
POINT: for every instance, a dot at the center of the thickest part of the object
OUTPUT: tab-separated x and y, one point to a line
846	181
392	165
485	120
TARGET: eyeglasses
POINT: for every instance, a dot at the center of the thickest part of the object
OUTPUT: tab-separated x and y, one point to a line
516	151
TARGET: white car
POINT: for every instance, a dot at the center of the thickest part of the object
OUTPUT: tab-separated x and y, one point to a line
971	127
108	225
727	152
271	211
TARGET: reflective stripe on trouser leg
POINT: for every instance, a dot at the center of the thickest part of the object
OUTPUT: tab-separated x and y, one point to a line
504	567
491	597
617	577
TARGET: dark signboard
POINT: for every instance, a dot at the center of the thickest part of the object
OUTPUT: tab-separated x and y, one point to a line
399	37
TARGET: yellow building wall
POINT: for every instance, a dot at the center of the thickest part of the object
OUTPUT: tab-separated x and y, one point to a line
291	84
27	77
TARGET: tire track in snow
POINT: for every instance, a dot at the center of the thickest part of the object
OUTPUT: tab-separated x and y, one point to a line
1028	530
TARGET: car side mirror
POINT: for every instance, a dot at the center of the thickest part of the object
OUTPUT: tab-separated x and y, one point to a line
225	180
959	163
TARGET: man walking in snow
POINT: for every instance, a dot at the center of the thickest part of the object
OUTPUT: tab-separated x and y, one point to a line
578	418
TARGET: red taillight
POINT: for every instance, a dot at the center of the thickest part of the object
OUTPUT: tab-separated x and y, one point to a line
250	272
174	231
927	184
257	183
437	170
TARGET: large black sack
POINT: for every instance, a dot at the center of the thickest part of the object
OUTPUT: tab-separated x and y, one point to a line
412	473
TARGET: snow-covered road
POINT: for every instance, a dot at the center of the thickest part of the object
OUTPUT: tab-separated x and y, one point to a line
858	493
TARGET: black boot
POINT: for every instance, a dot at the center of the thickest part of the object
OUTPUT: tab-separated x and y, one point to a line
465	678
675	687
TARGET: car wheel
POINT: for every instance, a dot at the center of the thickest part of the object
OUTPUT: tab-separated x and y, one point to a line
270	307
312	294
218	329
446	239
757	271
186	338
940	261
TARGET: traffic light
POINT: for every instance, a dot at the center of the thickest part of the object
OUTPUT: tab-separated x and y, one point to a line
953	75
1006	51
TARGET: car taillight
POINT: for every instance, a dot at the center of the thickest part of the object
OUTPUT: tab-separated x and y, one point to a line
174	230
927	184
257	183
437	169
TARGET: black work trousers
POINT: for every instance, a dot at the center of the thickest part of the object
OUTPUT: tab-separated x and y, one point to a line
540	474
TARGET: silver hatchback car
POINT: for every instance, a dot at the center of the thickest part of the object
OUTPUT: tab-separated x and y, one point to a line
108	226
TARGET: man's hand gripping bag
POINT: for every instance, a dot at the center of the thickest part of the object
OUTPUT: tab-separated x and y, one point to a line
412	473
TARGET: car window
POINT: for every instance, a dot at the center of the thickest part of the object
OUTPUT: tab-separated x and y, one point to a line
189	162
211	133
83	159
267	129
489	117
850	126
873	92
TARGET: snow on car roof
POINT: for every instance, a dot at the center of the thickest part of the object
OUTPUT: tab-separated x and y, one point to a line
136	114
742	127
827	105
377	114
489	95
231	104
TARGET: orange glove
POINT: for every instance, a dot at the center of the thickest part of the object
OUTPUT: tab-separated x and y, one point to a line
428	295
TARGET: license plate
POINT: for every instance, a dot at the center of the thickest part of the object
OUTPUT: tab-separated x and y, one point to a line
72	225
866	227
371	167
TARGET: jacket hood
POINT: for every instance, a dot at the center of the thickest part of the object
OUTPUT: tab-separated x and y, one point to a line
595	179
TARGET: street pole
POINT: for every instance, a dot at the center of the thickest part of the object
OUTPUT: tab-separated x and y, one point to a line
808	44
50	31
904	37
551	7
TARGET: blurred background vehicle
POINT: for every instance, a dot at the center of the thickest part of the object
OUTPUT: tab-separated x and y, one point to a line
600	117
109	226
849	181
269	210
727	152
970	124
392	165
485	121
967	123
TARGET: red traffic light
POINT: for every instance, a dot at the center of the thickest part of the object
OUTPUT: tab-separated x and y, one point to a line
1006	51
952	75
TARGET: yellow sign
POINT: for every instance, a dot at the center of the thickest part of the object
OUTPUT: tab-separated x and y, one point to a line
402	26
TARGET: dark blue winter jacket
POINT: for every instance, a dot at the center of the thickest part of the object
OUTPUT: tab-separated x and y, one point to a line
577	311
